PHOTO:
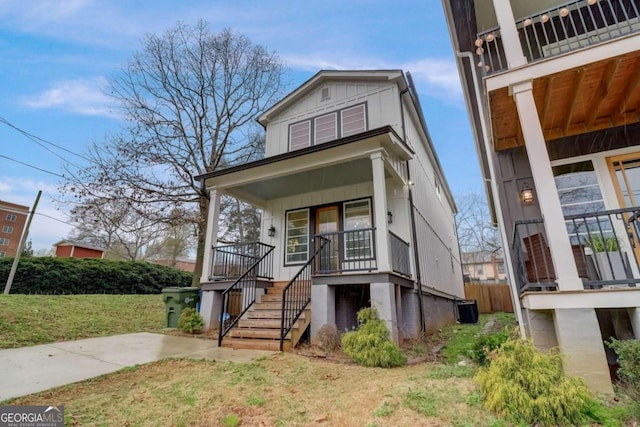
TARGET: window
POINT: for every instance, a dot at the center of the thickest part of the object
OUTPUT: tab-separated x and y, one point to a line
2	254
579	193
501	269
480	269
12	217
325	128
4	241
357	227
7	229
353	120
297	236
299	135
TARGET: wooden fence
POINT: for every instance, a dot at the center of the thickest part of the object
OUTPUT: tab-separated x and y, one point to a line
491	298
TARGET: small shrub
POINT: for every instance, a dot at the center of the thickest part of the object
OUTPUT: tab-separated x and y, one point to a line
370	345
190	321
328	338
527	386
628	352
484	344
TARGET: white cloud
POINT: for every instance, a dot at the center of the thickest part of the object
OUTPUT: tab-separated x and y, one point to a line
81	96
44	231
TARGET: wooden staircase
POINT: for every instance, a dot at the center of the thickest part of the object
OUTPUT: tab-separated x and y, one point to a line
260	327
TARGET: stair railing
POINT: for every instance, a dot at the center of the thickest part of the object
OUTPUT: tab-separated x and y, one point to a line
245	285
297	294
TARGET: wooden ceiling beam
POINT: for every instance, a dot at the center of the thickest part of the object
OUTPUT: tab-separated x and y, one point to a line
603	91
630	89
547	103
572	98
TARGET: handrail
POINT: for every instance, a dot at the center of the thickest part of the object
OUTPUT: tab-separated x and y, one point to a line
300	287
246	284
228	262
399	255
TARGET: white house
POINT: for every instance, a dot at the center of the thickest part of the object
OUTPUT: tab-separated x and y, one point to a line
355	212
553	93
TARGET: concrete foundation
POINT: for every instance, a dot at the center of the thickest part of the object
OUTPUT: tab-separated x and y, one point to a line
323	308
210	308
540	328
410	324
580	341
383	299
438	312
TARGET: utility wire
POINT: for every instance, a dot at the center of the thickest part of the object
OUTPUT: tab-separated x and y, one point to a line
31	166
38	140
55	219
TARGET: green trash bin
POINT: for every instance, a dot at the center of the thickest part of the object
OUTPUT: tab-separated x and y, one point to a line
177	299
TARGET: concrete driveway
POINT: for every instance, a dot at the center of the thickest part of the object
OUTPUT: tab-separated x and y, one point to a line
29	370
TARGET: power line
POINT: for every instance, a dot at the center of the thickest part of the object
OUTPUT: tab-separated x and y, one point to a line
55	219
37	140
31	166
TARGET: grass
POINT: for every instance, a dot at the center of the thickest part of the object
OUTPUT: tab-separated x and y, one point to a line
38	319
282	390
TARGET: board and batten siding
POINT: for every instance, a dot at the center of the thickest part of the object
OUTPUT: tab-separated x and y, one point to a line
437	242
382	108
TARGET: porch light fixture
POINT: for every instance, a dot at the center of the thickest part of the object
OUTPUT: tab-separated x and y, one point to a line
389	217
526	195
271	231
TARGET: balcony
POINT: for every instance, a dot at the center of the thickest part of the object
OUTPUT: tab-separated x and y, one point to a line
564	28
604	246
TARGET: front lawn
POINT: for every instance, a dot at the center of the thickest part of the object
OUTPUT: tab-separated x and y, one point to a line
39	319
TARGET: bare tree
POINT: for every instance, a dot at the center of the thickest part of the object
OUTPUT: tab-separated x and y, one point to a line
190	98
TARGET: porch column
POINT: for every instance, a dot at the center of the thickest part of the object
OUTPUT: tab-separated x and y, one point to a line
211	308
380	212
383	299
509	34
323	308
211	233
557	235
580	342
634	316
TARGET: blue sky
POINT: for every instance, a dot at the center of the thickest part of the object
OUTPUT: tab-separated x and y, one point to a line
55	57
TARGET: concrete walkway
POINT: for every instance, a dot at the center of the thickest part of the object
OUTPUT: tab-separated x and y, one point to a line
29	370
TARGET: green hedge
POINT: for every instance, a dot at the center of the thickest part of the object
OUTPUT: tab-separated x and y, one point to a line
46	275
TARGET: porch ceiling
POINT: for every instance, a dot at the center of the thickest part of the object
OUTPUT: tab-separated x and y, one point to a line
596	96
338	175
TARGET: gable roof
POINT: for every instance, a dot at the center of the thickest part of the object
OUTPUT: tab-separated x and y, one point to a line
65	242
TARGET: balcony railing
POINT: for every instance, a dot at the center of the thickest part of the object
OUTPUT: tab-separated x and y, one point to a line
604	248
229	262
399	249
353	250
564	28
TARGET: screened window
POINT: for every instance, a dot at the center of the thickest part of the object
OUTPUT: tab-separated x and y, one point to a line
300	135
357	227
353	120
12	217
297	236
7	229
326	128
4	241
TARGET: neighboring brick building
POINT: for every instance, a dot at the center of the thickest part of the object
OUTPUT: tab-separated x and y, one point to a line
72	249
12	220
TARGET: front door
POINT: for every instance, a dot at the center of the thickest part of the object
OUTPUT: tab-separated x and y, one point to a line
327	225
625	173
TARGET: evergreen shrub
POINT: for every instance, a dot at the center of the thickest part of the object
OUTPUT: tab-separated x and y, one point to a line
484	344
54	276
370	345
628	352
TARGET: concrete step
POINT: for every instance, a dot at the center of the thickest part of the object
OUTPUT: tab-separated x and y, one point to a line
255	344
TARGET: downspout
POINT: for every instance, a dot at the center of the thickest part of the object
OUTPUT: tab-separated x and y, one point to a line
494	188
414	234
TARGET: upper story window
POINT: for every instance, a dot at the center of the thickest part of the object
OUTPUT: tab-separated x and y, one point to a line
4	241
328	127
12	217
7	229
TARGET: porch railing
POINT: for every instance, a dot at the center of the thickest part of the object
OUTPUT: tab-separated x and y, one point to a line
560	29
243	290
229	262
603	244
352	250
399	249
297	294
